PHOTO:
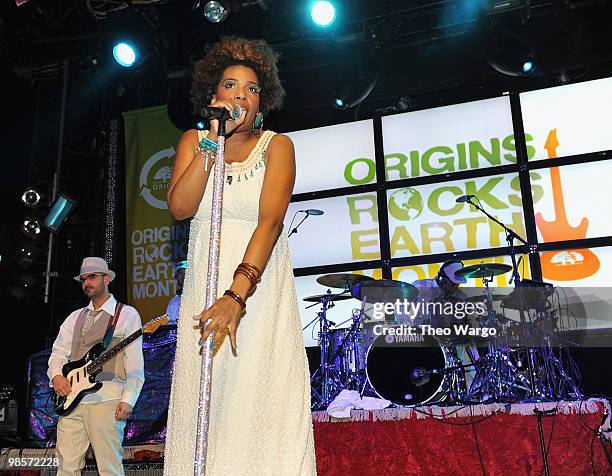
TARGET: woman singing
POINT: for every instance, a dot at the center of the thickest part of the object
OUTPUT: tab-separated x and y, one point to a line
260	420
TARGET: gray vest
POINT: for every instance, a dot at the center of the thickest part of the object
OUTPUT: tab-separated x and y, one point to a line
82	343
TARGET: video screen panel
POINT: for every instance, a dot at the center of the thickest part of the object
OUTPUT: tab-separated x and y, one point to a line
578	267
572	202
334	156
427	219
568	120
455	138
346	232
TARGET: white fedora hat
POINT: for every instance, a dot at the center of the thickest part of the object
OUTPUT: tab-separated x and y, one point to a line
93	264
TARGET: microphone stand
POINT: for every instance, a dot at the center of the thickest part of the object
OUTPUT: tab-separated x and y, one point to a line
510	237
294	230
199	466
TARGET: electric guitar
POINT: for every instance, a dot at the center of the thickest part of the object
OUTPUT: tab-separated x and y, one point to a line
82	373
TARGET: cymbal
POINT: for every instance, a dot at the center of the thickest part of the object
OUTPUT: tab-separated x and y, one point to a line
384	290
342	280
484	270
327	297
483	297
528	298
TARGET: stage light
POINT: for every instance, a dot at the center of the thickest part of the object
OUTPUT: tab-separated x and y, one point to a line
30	228
323	13
59	212
27	254
30	198
528	66
200	125
29	286
509	53
29	281
214	12
124	54
355	84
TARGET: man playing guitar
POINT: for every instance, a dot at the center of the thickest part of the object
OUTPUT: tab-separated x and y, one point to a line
99	418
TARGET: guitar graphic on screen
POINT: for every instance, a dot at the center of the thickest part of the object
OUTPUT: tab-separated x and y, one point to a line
567	265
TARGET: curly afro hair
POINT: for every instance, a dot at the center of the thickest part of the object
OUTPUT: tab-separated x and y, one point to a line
232	51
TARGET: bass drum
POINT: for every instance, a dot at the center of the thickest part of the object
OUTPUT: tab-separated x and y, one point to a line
393	363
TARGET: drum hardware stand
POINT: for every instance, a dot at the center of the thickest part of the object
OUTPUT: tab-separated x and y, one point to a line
326	375
353	377
511	235
453	385
496	375
558	382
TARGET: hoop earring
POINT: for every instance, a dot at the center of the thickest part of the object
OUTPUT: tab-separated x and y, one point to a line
257	125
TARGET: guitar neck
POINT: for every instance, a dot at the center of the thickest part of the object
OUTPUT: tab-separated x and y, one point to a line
97	363
557	190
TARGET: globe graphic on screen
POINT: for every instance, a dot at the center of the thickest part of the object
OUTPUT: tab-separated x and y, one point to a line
405	204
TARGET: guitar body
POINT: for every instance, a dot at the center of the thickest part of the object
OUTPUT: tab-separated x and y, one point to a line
81	382
82	373
565	265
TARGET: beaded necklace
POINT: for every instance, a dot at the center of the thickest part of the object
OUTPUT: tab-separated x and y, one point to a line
237	172
231	170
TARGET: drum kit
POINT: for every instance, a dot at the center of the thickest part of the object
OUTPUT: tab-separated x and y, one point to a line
410	360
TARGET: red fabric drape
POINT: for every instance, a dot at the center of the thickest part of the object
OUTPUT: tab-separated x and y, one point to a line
509	445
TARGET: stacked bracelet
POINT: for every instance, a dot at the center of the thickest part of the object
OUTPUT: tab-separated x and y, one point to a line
208	149
251	272
206	143
236	297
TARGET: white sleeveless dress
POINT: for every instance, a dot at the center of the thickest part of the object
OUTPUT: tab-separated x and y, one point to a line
260	420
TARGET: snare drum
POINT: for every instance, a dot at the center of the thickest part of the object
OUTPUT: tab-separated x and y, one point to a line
392	359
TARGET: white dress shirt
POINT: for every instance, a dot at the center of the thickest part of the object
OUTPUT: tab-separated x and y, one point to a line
117	389
173	309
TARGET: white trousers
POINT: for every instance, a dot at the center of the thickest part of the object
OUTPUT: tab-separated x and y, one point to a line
95	424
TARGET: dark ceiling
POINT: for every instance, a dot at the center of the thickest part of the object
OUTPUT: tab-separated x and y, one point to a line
424	51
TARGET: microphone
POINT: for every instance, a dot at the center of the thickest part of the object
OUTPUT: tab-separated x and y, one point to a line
212	112
312	211
465	198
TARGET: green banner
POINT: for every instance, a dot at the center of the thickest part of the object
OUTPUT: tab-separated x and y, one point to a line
155	243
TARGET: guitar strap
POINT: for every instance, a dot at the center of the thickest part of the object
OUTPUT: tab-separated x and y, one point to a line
110	329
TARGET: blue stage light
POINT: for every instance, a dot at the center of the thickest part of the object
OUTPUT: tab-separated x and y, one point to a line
528	66
124	54
59	212
323	13
214	12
